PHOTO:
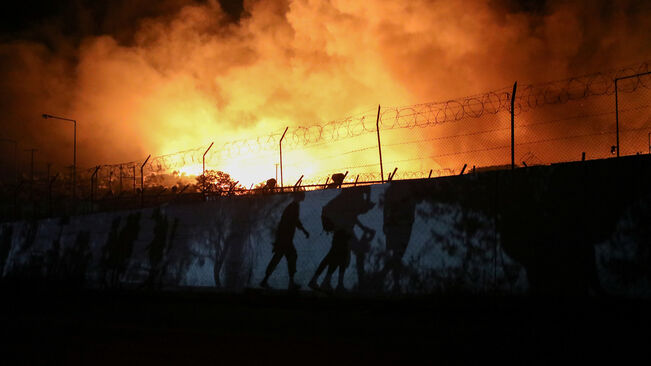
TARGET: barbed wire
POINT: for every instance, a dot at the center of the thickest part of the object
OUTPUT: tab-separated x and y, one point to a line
482	150
365	177
402	117
428	114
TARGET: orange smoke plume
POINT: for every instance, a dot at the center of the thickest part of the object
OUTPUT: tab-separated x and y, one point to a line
192	74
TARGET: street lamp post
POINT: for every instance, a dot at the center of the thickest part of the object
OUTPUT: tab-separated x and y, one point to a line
74	150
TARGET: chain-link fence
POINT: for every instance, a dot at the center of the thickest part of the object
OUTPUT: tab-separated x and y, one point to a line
565	120
633	114
560	121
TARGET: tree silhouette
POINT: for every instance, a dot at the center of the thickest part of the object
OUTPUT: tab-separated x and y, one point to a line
214	181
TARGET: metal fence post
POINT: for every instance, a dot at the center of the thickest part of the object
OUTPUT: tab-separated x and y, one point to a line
31	174
92	187
49	193
142	182
203	170
280	143
379	145
299	181
110	180
617	106
15	156
16	191
616	118
515	86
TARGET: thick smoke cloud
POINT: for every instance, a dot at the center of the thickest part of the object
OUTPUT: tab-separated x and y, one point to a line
156	77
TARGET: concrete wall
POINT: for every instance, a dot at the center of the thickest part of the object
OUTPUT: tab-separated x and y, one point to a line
580	228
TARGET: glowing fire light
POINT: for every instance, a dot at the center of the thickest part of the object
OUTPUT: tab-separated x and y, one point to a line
191	169
192	77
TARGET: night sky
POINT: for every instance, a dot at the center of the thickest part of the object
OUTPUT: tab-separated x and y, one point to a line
46	19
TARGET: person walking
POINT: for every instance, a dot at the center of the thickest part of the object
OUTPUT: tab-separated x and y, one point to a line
284	244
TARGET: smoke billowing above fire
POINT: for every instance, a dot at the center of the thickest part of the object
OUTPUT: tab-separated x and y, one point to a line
191	73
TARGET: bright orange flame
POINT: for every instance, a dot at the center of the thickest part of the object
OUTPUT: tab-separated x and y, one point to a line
194	77
192	169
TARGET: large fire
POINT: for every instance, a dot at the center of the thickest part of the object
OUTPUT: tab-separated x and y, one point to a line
194	76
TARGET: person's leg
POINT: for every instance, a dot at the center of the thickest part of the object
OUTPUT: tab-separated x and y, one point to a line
271	267
340	282
291	267
327	281
313	282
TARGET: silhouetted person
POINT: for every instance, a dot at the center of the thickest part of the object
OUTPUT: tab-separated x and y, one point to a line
339	216
75	259
269	186
284	245
399	215
120	247
158	247
110	248
337	257
337	180
360	247
52	256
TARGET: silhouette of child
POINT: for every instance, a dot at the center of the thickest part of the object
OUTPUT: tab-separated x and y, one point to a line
340	216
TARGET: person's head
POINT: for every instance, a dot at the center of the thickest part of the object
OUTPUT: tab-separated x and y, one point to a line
338	178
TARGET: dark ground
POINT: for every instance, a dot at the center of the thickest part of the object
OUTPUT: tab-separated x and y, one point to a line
55	326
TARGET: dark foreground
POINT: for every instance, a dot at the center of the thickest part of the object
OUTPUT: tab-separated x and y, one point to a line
54	326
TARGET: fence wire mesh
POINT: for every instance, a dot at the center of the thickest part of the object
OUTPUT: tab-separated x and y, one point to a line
565	120
634	115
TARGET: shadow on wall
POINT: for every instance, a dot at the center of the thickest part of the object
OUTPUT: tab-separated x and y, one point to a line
339	217
283	246
65	266
118	250
158	248
628	257
6	235
74	261
23	263
546	219
239	225
457	247
552	218
400	202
